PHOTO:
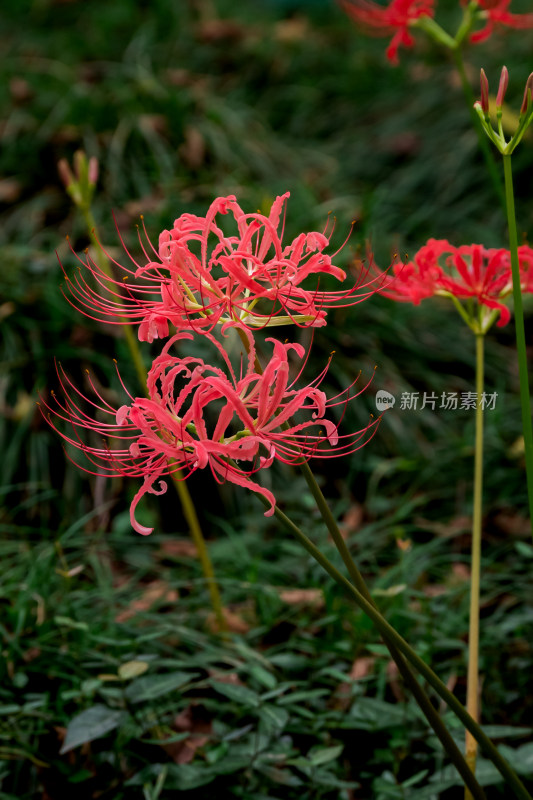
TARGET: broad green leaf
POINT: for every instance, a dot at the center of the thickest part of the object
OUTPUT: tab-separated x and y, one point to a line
505	731
67	622
298	697
263	676
240	694
180	777
524	549
150	687
274	718
184	777
230	764
93	723
281	776
372	714
325	754
486	775
521	758
12	708
391	591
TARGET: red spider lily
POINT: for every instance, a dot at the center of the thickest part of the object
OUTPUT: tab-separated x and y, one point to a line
495	13
525	261
200	277
467	272
391	20
199	416
417	279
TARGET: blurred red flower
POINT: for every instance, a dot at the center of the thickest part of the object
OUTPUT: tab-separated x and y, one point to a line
469	272
495	12
393	19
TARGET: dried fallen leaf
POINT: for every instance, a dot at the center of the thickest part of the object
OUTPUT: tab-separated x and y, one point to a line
460	572
308	597
132	669
404	545
234	622
295	29
179	548
20	90
435	590
362	667
157	591
6	309
215	30
192	151
453	527
226	677
194	720
31	654
10	190
512	524
352	520
394	682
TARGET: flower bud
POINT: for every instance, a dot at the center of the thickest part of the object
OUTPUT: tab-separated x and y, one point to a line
65	173
528	91
80	163
93	171
502	88
484	92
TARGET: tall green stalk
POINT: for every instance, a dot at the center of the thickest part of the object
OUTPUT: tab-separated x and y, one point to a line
409	677
520	331
389	633
472	690
432	716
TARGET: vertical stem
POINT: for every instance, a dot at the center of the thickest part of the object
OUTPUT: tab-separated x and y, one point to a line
405	670
187	505
520	332
472	690
189	512
483	141
389	633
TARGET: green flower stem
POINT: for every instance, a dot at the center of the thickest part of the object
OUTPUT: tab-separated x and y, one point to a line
438	34
388	632
483	143
361	595
520	332
189	512
472	690
432	716
187	505
419	694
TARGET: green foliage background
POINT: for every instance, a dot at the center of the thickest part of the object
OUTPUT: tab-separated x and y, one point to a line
182	102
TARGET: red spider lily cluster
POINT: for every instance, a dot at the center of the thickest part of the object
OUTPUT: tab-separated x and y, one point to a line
467	273
394	19
200	277
398	18
494	13
234	419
